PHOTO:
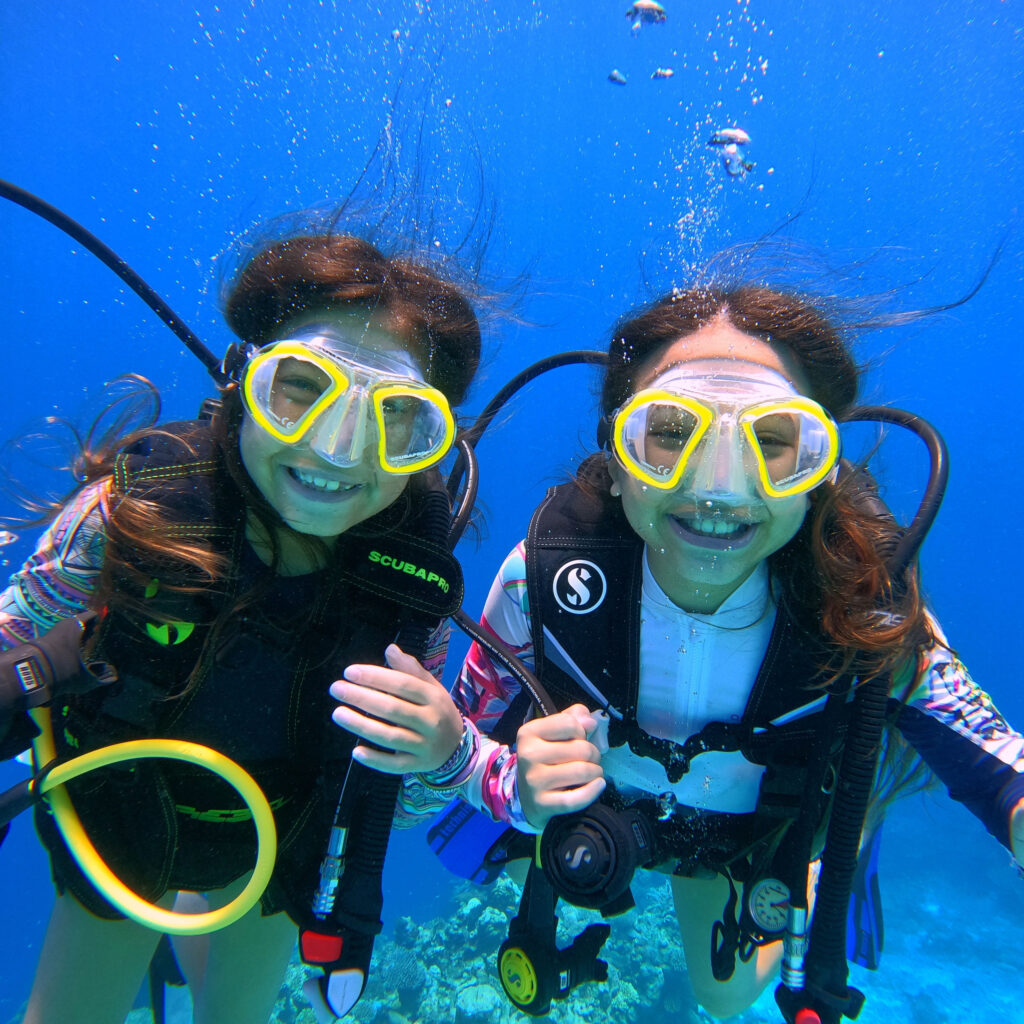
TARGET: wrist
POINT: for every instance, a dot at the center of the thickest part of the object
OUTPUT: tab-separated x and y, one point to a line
519	817
459	766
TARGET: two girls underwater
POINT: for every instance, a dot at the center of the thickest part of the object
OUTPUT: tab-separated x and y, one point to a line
273	581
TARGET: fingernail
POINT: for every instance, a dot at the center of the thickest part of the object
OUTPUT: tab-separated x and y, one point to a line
353	674
337	690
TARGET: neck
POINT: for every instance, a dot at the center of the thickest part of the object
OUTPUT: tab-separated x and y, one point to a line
694	597
297	555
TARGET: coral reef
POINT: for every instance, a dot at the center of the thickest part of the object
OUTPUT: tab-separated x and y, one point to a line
444	969
941	940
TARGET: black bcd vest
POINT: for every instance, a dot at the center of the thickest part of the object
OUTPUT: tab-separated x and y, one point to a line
584	576
393	578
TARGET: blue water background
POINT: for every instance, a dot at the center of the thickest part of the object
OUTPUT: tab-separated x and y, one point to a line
894	133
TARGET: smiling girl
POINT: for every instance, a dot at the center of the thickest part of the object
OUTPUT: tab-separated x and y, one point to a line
226	559
699	602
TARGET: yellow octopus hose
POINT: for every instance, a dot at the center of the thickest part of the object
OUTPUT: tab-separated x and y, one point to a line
116	892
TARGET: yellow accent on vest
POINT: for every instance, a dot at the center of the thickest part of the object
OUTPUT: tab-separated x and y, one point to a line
162	633
223	816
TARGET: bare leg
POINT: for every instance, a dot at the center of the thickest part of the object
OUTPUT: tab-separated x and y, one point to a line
191	951
245	966
89	969
699	903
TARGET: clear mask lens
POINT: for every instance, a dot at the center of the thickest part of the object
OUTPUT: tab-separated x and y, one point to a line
414	425
778	448
344	412
659	436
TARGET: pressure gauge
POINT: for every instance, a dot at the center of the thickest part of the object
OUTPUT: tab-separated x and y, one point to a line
768	904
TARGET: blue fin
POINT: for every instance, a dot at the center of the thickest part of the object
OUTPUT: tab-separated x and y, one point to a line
163	971
865	932
469	844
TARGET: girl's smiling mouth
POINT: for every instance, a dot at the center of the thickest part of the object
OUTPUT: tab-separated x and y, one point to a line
713	532
315	485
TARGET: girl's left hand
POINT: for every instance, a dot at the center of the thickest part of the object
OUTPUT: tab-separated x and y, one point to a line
402	708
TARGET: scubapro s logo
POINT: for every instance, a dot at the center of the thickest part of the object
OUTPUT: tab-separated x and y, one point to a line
579	586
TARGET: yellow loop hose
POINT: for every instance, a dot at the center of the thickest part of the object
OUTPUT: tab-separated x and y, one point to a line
129	903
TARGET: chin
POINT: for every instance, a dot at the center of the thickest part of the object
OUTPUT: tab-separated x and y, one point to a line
322	530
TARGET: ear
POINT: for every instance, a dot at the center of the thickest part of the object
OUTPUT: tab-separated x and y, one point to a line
617	474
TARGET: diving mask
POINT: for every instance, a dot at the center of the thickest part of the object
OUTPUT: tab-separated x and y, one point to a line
729	424
319	388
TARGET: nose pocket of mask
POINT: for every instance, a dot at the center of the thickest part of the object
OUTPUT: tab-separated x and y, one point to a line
341	433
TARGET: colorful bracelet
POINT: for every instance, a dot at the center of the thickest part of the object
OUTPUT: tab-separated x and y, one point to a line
460	765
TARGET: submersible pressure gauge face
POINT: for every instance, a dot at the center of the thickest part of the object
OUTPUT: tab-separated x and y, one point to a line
768	904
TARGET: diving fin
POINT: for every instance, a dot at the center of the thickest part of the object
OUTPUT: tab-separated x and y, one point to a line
865	932
471	845
163	971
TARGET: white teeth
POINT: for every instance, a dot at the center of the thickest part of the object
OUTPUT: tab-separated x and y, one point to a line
719	527
319	483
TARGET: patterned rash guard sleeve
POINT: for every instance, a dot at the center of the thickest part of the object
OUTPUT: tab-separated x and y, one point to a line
483	694
415	800
54	584
957	729
59	578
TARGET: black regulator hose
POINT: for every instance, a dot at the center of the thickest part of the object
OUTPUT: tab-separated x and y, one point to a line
504	655
827	970
938	477
467	464
107	256
471	436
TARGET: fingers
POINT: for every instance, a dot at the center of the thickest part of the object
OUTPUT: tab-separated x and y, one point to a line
544	753
575	722
542	797
397	682
380	704
385	760
559	770
405	679
393	737
542	779
402	662
565	801
402	708
585	717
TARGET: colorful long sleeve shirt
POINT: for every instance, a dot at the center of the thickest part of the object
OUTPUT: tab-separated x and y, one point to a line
945	716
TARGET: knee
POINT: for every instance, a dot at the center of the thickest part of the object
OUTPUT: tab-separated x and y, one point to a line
723	999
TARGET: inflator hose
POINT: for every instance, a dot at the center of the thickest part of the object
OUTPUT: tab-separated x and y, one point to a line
109	258
113	889
826	968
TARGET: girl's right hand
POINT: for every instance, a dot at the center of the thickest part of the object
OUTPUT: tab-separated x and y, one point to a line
558	769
